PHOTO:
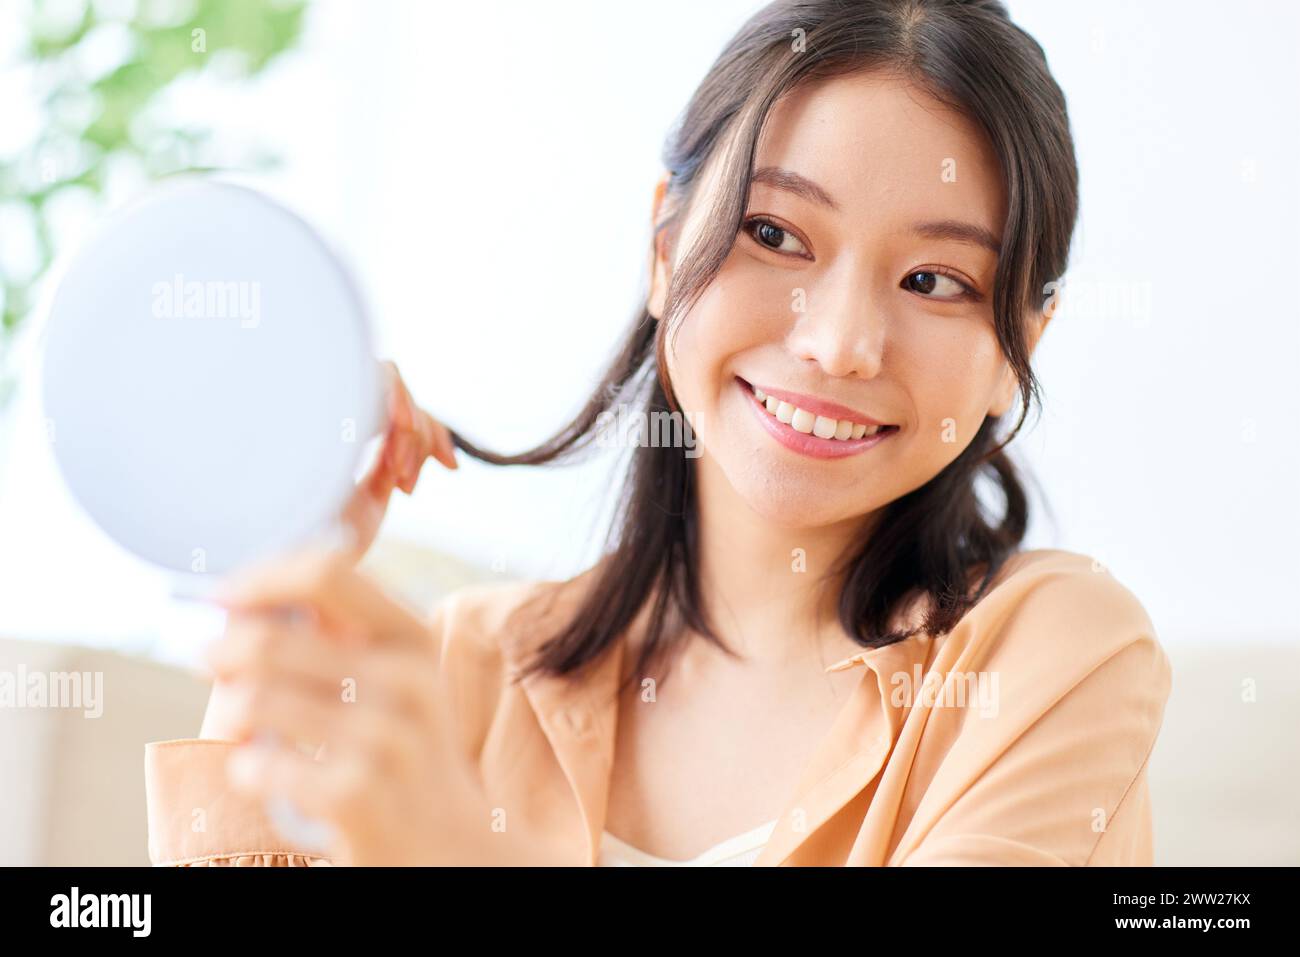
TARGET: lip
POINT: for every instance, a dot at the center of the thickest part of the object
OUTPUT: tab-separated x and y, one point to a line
806	443
816	406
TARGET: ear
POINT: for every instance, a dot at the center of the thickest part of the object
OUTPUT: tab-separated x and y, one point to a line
660	268
1007	385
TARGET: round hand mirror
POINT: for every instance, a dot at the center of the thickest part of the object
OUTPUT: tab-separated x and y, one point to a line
209	379
209	386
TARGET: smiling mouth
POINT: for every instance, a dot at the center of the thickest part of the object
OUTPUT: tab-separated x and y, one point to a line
810	423
805	433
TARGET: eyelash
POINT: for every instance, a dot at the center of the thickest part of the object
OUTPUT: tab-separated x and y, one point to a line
969	293
748	226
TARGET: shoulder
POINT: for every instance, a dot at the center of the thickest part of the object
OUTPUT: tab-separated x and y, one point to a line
1068	585
483	606
1049	700
497	620
1061	615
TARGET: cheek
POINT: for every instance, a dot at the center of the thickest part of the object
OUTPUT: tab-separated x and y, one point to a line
953	368
740	311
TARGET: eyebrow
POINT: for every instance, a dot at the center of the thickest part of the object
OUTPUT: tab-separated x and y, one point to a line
953	229
960	232
792	182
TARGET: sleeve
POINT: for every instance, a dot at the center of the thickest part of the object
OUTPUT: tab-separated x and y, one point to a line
195	819
1059	776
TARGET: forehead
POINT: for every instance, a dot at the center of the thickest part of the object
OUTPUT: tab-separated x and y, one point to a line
881	146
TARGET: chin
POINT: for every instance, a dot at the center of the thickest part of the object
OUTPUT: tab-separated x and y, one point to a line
789	501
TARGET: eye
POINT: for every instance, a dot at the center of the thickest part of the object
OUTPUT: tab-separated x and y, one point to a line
776	238
936	283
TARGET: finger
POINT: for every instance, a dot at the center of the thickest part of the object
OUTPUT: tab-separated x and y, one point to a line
342	786
402	683
439	441
399	401
427	437
291	712
408	456
433	441
413	448
364	511
408	401
400	423
265	770
286	684
380	481
413	435
326	581
268	648
400	445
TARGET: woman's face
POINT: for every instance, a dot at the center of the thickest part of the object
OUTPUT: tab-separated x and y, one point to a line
859	291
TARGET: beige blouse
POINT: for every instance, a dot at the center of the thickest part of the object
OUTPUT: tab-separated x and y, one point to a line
1019	738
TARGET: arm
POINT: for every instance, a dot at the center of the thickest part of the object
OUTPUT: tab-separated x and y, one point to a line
426	805
196	817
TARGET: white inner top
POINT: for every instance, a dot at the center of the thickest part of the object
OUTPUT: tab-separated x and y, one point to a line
738	851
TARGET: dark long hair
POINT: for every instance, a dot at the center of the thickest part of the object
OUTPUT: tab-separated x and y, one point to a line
929	542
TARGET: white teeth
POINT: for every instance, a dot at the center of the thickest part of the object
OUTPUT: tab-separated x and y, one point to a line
806	422
825	428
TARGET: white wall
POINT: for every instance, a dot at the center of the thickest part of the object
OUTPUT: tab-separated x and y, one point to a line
488	169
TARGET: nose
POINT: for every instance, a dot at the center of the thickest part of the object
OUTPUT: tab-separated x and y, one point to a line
842	329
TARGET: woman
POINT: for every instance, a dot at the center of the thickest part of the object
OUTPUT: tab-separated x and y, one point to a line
865	211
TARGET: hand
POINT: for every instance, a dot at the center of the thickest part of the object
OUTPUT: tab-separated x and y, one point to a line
412	437
356	673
